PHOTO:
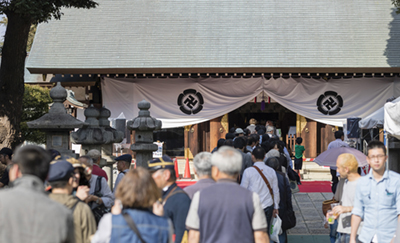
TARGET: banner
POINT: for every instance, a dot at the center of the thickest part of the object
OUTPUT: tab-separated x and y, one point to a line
179	102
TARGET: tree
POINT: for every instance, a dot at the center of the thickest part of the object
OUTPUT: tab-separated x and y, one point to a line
34	105
396	3
31	36
21	15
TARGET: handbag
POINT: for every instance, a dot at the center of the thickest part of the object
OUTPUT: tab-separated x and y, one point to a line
326	205
294	187
100	210
288	216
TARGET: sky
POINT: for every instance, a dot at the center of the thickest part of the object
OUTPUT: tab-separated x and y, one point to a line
2	28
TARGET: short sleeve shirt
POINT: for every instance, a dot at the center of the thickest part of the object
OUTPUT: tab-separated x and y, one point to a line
299	149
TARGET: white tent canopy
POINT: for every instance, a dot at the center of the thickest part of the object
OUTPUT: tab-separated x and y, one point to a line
376	119
392	119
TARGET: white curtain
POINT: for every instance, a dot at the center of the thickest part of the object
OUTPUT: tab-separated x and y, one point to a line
183	101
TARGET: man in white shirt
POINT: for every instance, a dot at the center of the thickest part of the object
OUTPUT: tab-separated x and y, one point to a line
253	181
347	166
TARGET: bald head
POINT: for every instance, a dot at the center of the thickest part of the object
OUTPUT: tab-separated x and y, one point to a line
348	161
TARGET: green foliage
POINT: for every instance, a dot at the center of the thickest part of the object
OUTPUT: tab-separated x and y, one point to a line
38	11
35	104
396	3
31	36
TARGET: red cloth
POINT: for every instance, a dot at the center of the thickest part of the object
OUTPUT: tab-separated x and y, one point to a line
99	172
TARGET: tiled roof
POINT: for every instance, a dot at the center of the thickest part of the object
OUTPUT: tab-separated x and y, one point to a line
131	35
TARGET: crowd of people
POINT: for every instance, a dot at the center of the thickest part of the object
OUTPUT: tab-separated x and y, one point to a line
242	187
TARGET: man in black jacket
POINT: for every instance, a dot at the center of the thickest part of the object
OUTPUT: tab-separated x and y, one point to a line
176	202
285	193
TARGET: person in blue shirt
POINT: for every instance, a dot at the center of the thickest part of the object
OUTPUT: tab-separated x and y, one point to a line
377	199
123	164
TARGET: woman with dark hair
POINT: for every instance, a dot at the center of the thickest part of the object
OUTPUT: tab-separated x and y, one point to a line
131	219
81	186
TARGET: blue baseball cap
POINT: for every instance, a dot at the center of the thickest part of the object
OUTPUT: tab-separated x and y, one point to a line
61	170
125	157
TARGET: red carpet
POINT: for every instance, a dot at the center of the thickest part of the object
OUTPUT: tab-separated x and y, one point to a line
183	184
306	186
315	186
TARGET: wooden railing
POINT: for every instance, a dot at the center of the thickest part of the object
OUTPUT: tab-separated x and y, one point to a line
290	143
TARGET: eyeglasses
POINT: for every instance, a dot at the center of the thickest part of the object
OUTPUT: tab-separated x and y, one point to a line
379	156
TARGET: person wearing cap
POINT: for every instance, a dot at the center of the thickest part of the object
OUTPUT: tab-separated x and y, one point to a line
176	202
123	163
28	214
80	185
61	178
239	132
225	211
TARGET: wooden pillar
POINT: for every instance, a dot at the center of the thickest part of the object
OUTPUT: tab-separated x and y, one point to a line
307	129
191	141
218	129
327	135
381	137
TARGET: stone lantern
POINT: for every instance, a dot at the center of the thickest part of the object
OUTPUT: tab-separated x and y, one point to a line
57	123
144	125
97	134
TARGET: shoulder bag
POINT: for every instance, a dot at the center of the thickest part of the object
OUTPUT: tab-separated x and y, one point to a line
100	210
266	182
132	225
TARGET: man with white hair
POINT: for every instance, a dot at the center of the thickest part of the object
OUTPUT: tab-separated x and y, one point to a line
96	157
225	211
202	168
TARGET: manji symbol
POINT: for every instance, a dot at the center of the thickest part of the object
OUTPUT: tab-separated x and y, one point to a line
330	103
190	102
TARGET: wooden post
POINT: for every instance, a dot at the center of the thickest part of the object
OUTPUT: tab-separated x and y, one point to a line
218	130
308	130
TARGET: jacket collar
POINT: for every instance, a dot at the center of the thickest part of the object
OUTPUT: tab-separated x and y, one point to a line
30	182
165	193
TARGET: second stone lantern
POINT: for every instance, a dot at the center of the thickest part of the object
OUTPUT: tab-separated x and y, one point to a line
144	125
